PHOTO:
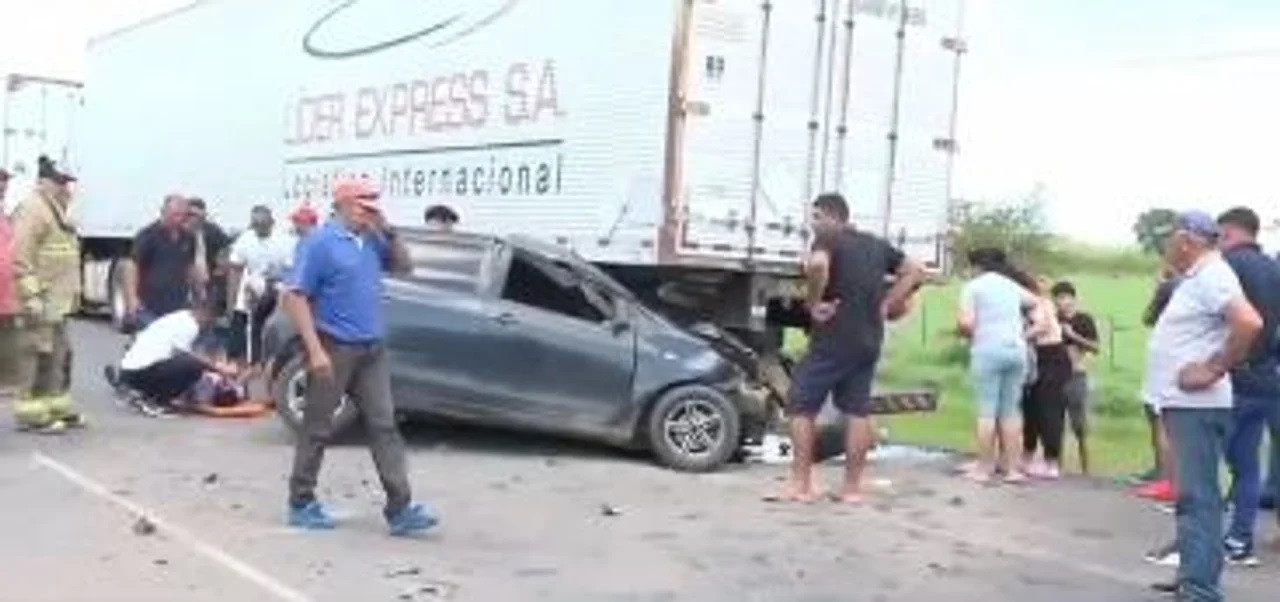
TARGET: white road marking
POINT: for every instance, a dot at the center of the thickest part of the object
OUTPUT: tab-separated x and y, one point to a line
173	530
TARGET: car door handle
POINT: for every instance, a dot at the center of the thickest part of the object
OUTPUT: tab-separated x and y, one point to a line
505	318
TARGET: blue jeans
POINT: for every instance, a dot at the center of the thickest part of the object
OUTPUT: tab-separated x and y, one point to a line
998	376
1273	469
1198	437
1250	418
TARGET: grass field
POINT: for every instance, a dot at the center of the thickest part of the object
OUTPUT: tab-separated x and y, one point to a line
923	348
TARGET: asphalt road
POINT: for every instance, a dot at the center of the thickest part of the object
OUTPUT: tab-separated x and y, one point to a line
530	518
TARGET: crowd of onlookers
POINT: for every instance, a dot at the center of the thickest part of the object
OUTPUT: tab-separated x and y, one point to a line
197	300
196	297
1211	386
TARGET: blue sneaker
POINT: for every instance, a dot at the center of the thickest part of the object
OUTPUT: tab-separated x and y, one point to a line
414	518
312	516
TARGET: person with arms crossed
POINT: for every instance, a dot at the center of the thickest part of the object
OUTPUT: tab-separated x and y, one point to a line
1207	329
848	303
334	300
1080	334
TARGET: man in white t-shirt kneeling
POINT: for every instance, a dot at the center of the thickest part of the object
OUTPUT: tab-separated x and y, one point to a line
162	365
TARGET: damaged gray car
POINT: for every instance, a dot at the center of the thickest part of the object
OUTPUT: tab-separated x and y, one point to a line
516	333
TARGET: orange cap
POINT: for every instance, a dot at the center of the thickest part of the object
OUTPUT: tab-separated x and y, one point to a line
357	190
305	215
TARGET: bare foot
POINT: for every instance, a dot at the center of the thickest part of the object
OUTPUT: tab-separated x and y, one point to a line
852	497
1015	478
794	493
979	476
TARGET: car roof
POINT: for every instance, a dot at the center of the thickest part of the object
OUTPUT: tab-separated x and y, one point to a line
519	241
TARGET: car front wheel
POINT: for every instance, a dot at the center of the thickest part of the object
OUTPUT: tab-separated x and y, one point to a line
694	428
289	390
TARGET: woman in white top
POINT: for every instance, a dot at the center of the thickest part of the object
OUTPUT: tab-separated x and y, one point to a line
1044	406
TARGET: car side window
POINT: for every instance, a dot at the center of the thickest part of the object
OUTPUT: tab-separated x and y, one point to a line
450	266
557	290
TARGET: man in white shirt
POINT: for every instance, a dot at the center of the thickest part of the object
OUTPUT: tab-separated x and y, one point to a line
1207	329
259	257
161	364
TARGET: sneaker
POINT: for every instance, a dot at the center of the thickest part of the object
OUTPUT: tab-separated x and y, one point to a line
1239	553
149	408
311	516
53	427
112	375
414	518
1166	555
1160	491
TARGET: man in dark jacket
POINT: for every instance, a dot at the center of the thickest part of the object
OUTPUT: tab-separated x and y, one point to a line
1254	383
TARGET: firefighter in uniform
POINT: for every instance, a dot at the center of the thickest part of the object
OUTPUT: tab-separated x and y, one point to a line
47	270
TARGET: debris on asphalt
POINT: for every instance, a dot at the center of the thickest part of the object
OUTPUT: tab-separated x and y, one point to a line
550	462
143	526
237	506
160	562
408	571
956	501
122	492
211	478
607	510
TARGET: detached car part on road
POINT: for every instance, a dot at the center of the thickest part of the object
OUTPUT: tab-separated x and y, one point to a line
518	333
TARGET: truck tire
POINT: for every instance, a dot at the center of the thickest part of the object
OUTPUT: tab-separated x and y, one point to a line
288	390
694	428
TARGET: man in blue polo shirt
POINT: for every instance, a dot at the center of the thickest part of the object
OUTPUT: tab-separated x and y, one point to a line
1254	383
334	301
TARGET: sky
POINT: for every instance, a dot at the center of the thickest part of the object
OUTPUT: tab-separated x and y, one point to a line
1110	107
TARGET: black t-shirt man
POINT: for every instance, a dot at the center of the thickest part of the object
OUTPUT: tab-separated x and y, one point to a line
164	257
1083	325
859	264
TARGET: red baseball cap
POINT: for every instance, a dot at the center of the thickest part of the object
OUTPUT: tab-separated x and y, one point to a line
305	215
357	190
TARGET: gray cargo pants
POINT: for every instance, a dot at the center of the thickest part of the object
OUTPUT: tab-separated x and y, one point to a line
362	373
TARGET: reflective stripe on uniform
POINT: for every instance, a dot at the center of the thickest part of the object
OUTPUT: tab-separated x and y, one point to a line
29	286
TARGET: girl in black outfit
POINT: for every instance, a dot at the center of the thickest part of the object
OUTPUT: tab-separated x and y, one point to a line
1044	406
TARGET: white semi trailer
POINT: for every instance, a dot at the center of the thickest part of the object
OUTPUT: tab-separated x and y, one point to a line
676	143
38	116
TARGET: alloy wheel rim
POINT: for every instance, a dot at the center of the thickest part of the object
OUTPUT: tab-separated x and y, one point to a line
694	428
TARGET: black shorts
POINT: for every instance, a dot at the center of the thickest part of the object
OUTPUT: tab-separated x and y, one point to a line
845	378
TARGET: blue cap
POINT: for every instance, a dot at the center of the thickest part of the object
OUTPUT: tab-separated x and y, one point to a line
1198	223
